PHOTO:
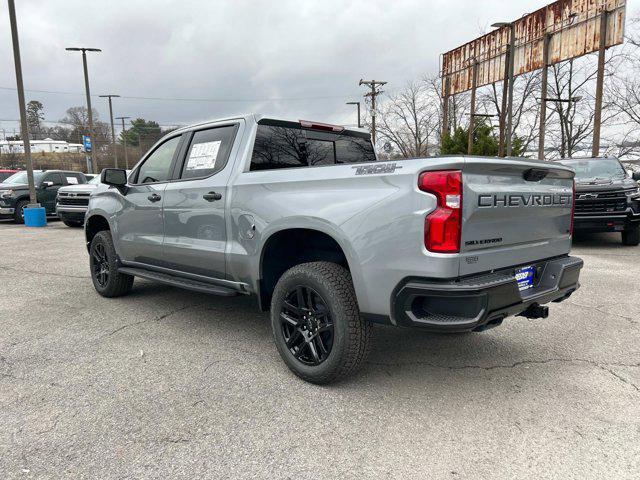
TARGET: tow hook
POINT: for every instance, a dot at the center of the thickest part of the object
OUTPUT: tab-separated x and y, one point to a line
535	311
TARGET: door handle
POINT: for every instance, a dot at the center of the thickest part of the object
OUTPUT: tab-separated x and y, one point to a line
154	198
212	196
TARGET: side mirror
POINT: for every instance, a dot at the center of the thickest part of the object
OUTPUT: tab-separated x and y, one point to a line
46	184
116	177
636	176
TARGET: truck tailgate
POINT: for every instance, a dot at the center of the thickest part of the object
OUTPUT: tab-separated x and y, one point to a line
514	212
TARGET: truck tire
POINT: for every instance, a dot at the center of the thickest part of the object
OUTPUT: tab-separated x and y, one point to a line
631	236
18	214
107	281
72	224
316	322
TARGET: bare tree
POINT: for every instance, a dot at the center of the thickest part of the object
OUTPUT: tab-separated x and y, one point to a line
409	120
572	122
526	108
623	90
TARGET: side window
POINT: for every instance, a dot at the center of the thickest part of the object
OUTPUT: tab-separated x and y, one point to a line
56	178
157	166
287	147
354	150
278	147
208	152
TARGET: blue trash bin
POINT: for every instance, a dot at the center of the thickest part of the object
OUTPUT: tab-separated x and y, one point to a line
35	216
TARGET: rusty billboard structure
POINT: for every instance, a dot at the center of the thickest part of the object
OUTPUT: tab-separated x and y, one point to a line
560	31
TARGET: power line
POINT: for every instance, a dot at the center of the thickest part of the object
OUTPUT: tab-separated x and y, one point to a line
184	99
58	122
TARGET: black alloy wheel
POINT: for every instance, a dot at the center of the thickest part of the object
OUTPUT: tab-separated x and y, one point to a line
307	326
100	264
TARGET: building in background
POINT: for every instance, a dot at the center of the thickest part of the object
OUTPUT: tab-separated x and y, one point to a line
47	145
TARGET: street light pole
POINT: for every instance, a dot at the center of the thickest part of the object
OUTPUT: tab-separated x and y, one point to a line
113	131
23	110
358	105
124	142
84	50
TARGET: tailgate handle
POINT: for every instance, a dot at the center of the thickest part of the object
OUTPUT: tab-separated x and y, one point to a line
535	174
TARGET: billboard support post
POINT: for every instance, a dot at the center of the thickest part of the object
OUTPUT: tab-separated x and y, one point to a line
503	107
597	119
445	111
472	114
543	97
511	63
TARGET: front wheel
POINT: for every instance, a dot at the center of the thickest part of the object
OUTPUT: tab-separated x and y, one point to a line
631	236
18	212
107	281
316	322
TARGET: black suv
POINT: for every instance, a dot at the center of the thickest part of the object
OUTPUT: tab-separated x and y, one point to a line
14	191
607	200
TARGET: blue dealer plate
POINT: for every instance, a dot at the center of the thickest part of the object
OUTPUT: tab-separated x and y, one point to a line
524	277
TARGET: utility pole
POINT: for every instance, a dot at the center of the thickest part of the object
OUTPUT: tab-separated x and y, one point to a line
374	86
84	50
113	132
33	200
358	105
124	142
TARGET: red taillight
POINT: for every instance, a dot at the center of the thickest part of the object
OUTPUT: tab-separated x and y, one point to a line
573	206
443	226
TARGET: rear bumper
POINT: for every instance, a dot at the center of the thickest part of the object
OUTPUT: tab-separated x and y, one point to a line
480	301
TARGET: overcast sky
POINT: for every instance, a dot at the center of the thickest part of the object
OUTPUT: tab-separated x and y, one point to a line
299	59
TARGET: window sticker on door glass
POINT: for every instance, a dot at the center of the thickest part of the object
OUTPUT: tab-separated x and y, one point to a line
203	156
72	180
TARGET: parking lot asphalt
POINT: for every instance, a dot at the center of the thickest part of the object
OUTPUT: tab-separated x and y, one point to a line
166	383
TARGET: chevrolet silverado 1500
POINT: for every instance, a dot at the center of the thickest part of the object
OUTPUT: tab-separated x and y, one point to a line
303	216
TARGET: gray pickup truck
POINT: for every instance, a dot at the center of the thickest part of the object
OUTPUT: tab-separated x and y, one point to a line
303	216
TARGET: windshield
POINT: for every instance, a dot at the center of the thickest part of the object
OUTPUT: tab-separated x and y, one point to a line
95	180
594	168
20	178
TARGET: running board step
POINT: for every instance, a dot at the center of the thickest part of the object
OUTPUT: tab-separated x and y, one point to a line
179	282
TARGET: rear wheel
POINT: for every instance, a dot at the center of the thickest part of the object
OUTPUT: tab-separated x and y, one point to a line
18	212
631	236
107	281
316	322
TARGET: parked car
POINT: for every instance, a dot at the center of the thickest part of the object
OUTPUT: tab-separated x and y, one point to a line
72	201
4	174
303	216
14	191
607	200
